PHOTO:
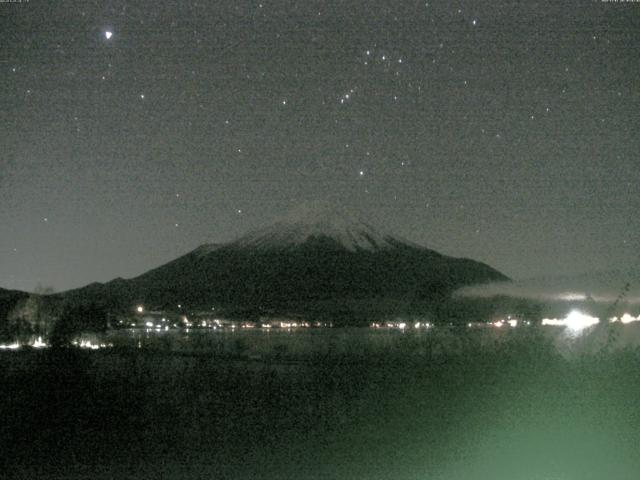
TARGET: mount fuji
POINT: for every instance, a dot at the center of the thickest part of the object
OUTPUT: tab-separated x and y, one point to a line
314	262
310	223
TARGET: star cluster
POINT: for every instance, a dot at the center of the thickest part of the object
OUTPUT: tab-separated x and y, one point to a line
135	131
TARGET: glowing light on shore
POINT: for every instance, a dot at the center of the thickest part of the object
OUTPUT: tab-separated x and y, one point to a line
575	321
394	325
626	318
512	322
140	309
90	345
38	343
553	322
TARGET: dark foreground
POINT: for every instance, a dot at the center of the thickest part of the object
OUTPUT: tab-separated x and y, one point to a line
512	411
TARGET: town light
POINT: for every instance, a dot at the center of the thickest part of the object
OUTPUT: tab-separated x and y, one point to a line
575	321
578	320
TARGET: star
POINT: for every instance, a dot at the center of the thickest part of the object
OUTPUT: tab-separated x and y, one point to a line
108	34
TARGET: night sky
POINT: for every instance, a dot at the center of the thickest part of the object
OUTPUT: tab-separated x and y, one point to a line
133	132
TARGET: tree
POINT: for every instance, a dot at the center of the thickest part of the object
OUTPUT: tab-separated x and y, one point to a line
30	316
76	319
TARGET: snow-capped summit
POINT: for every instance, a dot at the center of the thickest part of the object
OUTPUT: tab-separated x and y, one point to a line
319	220
317	262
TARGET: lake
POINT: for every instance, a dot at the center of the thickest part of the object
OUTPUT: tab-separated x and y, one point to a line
450	404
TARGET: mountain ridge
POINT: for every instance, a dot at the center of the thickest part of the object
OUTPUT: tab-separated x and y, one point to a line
320	264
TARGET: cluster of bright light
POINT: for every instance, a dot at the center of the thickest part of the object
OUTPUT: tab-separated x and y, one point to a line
575	321
553	322
400	325
90	345
626	318
294	325
512	322
38	343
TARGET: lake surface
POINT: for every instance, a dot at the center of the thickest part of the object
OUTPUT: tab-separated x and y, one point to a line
311	343
444	404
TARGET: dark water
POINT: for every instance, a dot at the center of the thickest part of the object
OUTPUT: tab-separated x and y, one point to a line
355	406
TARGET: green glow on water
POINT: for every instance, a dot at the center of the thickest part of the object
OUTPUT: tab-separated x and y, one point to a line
513	410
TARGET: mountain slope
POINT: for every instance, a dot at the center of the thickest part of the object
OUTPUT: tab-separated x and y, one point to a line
308	261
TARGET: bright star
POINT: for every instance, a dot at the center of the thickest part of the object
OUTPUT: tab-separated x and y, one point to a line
108	34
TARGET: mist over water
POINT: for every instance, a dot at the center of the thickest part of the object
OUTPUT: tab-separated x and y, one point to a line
606	286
